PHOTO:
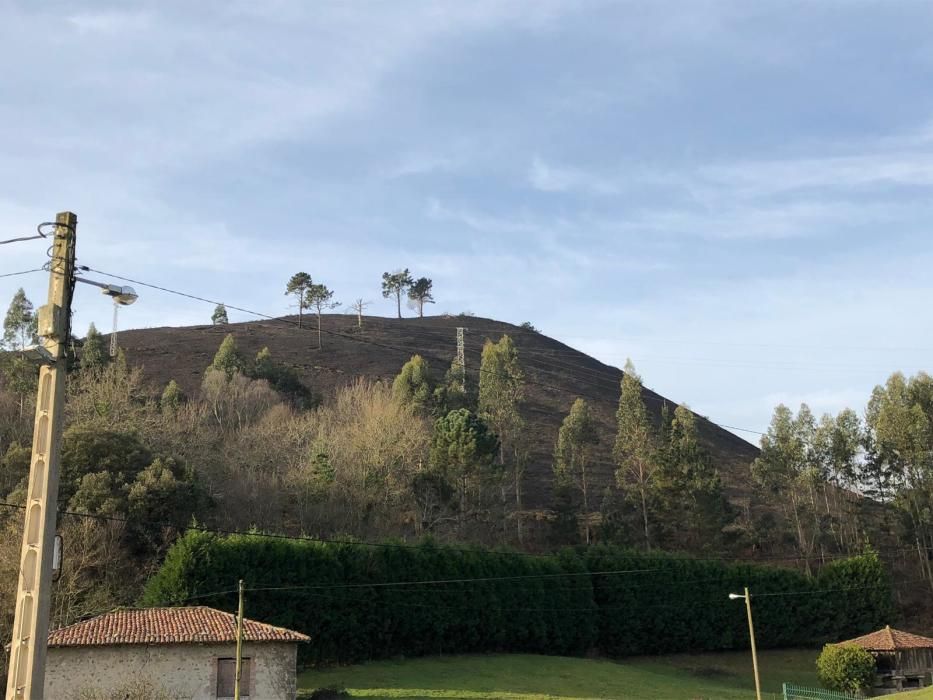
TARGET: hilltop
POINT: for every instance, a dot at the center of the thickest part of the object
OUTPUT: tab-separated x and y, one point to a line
556	374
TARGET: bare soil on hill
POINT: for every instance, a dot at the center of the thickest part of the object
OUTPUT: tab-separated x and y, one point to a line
556	374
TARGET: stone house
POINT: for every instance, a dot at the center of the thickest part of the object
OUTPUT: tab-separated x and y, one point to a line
188	652
904	660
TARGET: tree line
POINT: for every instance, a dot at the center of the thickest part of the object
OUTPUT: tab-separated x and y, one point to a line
824	471
342	596
309	294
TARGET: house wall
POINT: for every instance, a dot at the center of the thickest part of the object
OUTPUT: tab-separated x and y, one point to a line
187	671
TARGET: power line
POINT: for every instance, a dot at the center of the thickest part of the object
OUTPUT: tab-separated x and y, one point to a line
373	342
479	579
24	272
40	233
20	240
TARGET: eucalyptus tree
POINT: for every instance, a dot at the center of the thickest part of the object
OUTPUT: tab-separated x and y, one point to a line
576	441
636	449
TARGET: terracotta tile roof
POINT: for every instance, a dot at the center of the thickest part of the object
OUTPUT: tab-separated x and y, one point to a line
889	639
195	625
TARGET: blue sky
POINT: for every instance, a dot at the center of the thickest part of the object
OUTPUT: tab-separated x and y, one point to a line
736	195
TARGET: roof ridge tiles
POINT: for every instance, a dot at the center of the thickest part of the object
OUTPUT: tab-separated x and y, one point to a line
167	625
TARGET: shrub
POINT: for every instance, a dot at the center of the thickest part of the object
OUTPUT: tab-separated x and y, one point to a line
846	668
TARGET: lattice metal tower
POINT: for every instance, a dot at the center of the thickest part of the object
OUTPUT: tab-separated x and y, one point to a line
461	358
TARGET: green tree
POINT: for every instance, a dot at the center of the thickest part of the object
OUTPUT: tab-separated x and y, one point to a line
501	391
89	450
576	440
297	286
847	668
93	355
19	375
689	485
414	386
455	391
219	317
420	293
394	284
462	447
319	297
635	450
19	325
163	495
838	445
99	493
281	378
264	366
785	466
228	359
172	398
899	435
14	467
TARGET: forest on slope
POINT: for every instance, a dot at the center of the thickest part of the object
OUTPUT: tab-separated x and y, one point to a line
372	431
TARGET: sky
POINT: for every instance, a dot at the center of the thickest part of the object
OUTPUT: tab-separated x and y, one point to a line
735	195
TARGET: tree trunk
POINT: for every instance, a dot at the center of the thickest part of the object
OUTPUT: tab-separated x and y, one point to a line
398	302
518	500
644	516
801	538
586	502
460	512
319	329
421	308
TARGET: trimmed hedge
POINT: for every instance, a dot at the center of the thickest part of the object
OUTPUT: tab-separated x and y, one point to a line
566	604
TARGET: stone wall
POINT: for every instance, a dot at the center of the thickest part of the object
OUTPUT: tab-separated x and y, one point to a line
187	671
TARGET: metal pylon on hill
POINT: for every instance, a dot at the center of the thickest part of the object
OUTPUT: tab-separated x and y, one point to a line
461	358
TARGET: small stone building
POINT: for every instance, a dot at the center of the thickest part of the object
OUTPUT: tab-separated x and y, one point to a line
188	652
904	660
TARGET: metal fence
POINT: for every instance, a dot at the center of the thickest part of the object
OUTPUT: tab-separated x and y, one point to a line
796	692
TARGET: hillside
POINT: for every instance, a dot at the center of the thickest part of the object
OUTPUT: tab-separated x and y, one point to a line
556	374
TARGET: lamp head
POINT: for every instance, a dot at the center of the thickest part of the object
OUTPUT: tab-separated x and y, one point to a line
124	296
736	596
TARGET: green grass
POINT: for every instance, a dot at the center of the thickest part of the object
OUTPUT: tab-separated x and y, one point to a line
925	694
726	676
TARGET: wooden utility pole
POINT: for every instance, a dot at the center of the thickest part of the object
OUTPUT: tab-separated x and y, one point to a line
239	645
26	674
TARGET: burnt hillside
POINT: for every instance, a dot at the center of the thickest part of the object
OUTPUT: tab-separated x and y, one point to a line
556	374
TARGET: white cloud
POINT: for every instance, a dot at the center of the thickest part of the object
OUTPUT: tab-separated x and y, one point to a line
110	22
551	178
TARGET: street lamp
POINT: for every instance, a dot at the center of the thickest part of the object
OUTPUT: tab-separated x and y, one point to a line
122	296
751	633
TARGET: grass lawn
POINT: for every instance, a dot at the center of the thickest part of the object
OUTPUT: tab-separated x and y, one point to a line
726	676
925	694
